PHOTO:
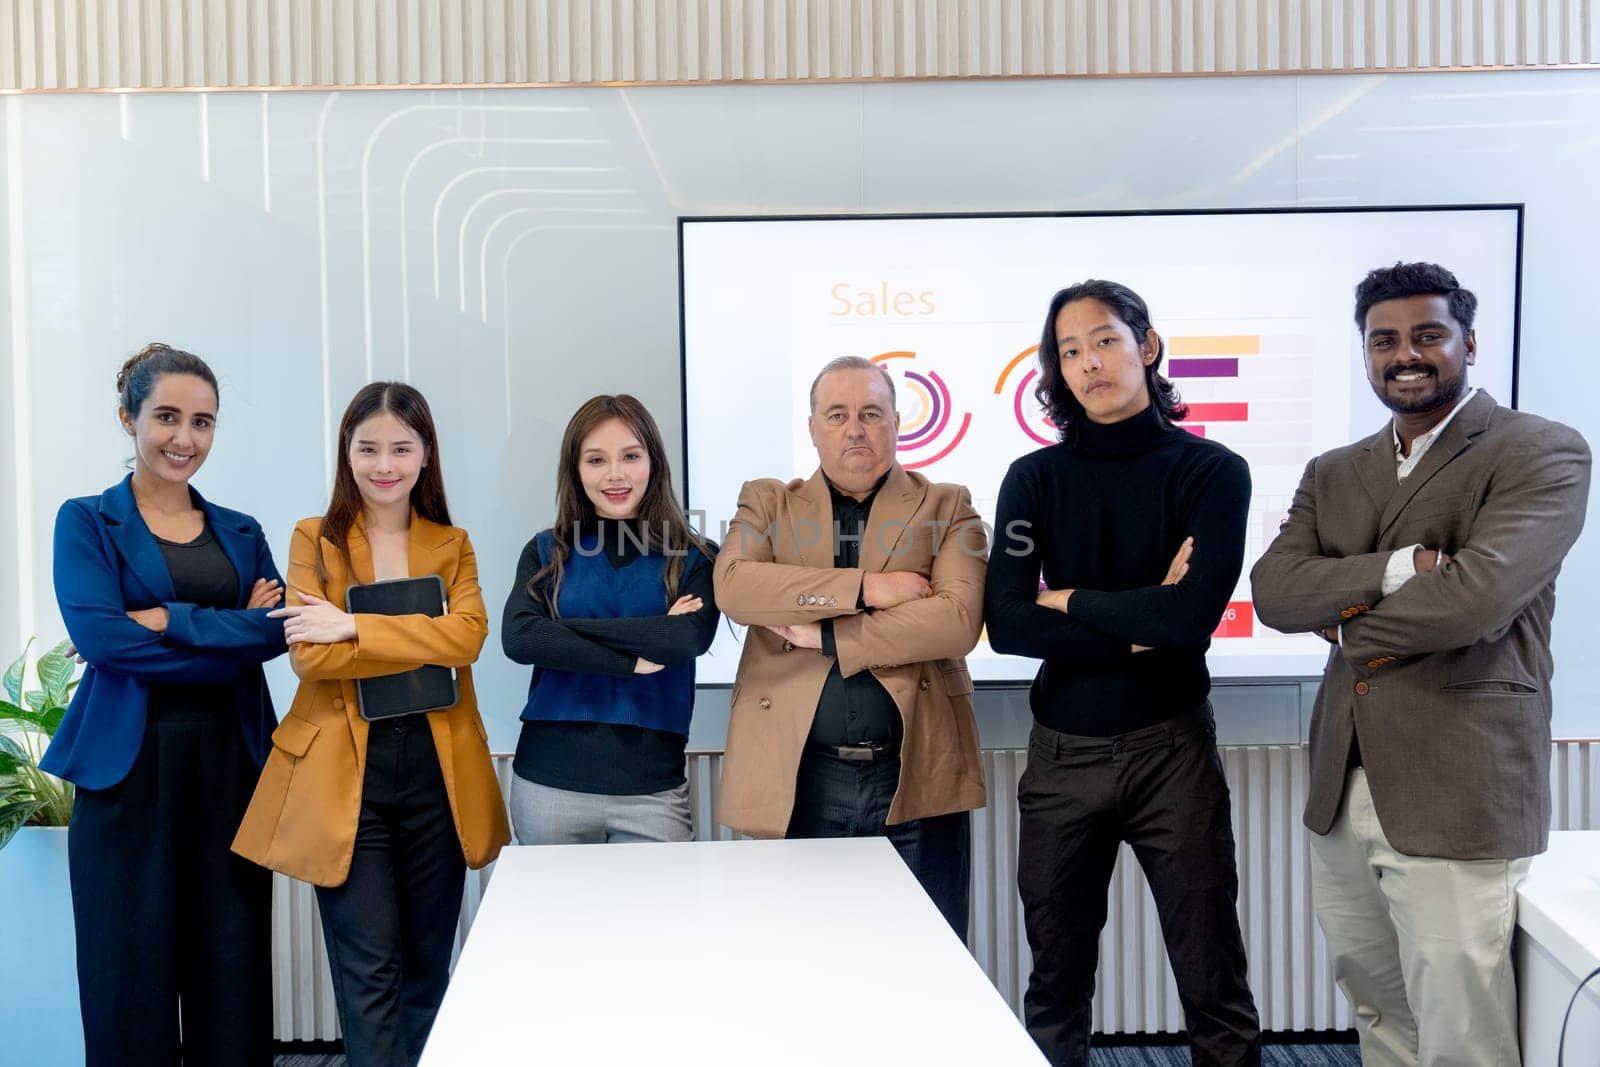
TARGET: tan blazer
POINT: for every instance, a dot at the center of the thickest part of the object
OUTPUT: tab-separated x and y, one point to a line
776	568
1447	679
302	818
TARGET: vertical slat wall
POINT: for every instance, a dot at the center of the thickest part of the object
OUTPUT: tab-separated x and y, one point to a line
146	44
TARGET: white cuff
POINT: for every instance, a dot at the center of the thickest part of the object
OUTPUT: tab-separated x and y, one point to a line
1401	569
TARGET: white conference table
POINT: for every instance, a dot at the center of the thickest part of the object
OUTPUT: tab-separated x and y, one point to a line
1557	944
724	952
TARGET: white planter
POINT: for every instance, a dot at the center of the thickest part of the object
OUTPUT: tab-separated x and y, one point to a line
39	985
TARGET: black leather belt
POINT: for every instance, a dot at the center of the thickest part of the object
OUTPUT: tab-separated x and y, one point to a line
862	753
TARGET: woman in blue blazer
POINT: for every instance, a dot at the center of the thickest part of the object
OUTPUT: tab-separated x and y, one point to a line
165	597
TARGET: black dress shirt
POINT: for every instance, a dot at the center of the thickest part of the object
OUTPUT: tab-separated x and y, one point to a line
855	710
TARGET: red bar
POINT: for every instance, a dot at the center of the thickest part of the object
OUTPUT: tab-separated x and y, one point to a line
1219	412
1237	621
1198	431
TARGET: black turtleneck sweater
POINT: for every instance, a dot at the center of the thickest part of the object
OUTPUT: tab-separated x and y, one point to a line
1104	515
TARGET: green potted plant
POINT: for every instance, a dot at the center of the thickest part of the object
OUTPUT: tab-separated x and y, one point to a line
28	719
38	1005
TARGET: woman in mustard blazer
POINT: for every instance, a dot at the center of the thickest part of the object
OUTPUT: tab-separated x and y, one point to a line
383	817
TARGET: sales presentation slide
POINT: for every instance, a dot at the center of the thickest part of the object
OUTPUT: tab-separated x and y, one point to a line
1256	310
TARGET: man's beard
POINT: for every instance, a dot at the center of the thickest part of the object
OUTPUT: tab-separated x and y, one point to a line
1445	394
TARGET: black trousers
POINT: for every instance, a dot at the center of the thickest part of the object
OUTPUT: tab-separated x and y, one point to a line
171	925
842	798
1161	790
389	928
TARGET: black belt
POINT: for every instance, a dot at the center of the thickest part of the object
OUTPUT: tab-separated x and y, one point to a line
865	752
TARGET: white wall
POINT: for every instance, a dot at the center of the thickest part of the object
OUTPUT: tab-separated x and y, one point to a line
289	238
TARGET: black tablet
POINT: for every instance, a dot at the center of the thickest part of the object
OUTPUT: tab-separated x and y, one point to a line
409	692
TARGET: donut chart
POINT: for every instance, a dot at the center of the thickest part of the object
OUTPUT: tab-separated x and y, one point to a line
925	429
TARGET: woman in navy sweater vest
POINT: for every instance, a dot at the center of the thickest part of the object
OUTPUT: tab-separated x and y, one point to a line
611	606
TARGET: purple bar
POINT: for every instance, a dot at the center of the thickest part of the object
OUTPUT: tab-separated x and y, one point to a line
1204	368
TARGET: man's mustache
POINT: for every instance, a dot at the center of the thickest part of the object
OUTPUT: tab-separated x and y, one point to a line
1397	369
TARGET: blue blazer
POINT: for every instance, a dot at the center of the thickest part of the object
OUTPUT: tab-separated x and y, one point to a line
108	563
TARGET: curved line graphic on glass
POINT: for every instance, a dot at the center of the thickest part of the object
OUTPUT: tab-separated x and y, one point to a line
461	107
480	142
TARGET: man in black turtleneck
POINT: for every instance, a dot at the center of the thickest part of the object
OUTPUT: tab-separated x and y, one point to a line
1138	530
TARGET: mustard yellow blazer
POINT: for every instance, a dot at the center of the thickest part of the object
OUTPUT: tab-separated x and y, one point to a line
302	818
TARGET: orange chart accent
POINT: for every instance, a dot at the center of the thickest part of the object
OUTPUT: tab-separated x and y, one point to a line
1214	346
1000	382
881	356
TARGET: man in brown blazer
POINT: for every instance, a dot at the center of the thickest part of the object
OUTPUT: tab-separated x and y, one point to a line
1427	555
862	587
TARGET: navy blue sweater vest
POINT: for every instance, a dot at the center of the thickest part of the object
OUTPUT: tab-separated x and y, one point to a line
591	588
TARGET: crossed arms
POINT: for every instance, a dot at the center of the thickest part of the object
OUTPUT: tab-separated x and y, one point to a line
1531	516
906	619
1180	611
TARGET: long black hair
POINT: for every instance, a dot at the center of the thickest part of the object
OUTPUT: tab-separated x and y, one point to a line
1061	407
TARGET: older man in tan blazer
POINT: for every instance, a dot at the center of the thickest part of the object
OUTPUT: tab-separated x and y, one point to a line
862	587
1427	554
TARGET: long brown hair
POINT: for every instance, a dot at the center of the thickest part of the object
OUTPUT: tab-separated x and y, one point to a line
666	528
427	496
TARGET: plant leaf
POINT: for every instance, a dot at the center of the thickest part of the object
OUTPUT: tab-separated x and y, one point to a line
14	814
13	675
9	766
51	719
55	797
9	710
9	746
55	671
36	700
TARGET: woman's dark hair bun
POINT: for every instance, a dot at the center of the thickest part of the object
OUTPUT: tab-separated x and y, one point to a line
144	368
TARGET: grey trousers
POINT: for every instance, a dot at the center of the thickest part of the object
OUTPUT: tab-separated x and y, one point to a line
1421	947
542	815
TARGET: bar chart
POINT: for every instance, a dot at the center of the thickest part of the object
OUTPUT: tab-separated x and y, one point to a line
1257	393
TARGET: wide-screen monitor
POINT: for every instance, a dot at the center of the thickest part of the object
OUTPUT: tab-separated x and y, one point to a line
1256	309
